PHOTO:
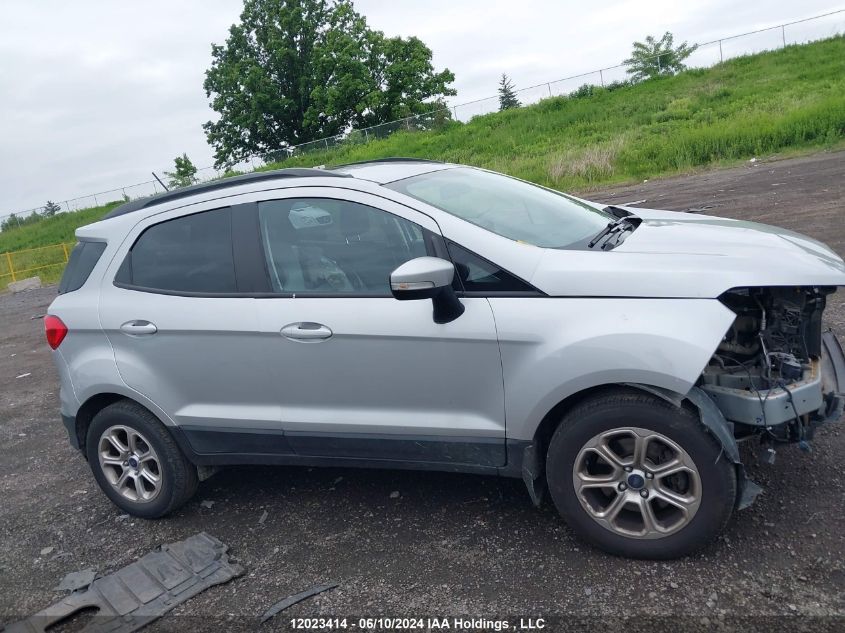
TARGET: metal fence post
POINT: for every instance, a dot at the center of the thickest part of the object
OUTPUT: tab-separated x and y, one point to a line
601	78
64	248
11	268
549	86
721	59
783	34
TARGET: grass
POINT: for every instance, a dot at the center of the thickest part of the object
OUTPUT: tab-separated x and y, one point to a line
782	101
750	106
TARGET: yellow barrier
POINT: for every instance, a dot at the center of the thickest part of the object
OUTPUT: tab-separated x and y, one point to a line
47	261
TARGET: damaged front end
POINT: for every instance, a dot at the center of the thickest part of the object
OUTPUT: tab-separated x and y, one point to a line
776	376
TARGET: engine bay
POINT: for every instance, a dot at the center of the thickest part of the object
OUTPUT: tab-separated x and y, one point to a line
766	373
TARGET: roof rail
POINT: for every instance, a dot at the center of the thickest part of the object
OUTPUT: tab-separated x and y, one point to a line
223	183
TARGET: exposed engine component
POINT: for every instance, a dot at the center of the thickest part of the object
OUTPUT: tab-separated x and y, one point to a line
766	373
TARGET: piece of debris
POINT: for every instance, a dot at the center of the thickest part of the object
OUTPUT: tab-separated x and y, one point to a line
633	202
394	494
588	591
752	160
47	550
32	283
263	518
76	580
36	316
292	600
337	481
205	503
24	375
122	517
143	591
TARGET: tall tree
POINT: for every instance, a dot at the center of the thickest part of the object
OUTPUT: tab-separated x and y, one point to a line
184	174
507	94
294	71
654	58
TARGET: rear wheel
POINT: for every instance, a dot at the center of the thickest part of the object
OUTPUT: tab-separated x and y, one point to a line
639	477
137	463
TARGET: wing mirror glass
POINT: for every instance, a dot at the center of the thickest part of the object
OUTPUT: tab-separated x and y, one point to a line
428	278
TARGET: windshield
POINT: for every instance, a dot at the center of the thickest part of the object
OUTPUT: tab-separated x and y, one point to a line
506	206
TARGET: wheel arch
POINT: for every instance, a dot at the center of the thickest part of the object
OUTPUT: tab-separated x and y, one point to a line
99	401
708	413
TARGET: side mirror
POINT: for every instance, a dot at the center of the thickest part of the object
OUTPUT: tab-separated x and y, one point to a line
428	278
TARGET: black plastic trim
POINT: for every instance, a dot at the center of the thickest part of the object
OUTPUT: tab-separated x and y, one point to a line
227	445
70	426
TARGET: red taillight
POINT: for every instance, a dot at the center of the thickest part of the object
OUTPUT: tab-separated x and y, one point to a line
55	330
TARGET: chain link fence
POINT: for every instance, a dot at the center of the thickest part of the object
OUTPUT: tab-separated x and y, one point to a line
706	54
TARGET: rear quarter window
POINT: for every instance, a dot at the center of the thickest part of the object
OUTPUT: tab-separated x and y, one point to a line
191	254
81	262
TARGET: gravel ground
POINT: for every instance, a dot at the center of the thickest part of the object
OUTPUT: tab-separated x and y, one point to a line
447	544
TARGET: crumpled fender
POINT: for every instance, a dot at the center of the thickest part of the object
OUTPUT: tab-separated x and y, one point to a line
716	424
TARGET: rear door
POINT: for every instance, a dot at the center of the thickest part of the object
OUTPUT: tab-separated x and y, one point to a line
357	373
182	321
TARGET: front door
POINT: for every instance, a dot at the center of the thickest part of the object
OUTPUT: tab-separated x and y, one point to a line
357	373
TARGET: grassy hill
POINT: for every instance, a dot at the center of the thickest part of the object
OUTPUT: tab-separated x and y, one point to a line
786	100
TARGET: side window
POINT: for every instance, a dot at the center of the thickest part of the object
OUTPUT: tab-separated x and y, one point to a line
188	254
476	274
321	245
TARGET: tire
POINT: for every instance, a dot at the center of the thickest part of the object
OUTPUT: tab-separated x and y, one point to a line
151	454
627	512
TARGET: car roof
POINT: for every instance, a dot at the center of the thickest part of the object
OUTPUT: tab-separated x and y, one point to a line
380	171
385	170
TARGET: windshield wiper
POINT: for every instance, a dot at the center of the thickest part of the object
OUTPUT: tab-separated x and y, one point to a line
611	228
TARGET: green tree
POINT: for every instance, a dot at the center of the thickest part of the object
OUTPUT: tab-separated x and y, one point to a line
654	58
507	94
50	209
185	173
301	70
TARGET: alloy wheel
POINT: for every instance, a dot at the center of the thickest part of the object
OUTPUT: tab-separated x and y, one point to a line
637	483
130	464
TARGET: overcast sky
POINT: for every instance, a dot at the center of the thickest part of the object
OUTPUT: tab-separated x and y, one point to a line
97	94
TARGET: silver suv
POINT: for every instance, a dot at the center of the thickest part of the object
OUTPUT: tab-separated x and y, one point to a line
415	314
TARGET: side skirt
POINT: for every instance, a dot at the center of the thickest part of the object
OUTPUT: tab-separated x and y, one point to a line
216	446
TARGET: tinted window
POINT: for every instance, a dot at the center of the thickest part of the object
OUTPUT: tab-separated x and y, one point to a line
507	206
319	246
81	262
476	274
188	254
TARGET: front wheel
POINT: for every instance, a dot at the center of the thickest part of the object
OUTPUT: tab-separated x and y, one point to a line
639	477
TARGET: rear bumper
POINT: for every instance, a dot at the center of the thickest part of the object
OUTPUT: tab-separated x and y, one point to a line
70	427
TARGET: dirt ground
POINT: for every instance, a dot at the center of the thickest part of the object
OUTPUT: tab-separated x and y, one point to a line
448	544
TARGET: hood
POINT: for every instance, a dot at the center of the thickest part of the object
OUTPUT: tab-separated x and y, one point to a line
673	254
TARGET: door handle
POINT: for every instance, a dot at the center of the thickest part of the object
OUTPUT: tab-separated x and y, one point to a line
306	331
138	328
